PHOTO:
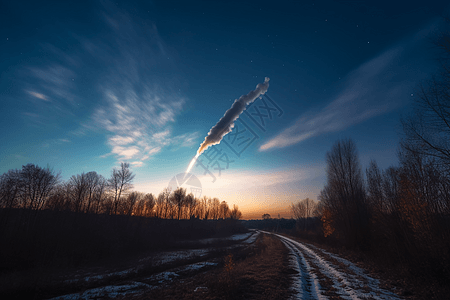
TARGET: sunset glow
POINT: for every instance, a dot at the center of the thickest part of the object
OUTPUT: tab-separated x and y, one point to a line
157	92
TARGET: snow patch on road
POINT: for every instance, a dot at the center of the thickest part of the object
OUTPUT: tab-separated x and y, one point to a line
172	256
252	238
111	291
305	283
372	283
348	286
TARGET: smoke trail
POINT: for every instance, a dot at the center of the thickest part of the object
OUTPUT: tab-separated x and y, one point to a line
226	123
191	164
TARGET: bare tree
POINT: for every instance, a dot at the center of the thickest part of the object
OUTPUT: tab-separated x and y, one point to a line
205	207
120	182
235	213
344	193
37	183
375	194
178	198
224	210
79	188
162	204
129	203
427	130
92	180
159	205
303	210
149	204
215	204
100	191
10	186
189	204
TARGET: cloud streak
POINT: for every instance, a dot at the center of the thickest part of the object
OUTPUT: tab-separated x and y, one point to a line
139	105
139	126
374	88
39	96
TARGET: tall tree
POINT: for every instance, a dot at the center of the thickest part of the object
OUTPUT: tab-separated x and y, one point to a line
179	196
149	204
37	183
235	213
344	194
120	181
79	188
224	210
10	186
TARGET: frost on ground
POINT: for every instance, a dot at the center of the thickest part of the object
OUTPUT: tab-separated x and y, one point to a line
172	256
111	291
351	283
252	238
238	237
136	284
234	237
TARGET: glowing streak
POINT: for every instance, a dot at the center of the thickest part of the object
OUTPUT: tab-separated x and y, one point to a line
192	162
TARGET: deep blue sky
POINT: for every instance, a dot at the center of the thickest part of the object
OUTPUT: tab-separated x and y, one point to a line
85	85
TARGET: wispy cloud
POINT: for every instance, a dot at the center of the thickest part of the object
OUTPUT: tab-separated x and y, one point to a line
38	95
132	92
138	108
57	80
374	88
139	127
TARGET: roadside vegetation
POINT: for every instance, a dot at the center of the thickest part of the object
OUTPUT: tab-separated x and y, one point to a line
47	225
257	272
396	220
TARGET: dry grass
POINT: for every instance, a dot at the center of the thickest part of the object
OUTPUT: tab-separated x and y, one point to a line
258	272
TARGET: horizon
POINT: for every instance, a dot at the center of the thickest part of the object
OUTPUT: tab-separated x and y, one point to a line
144	83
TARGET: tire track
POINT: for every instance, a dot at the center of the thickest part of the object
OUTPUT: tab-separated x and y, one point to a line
306	285
309	261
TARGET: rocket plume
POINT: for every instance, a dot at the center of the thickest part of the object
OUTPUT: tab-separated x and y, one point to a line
191	164
226	123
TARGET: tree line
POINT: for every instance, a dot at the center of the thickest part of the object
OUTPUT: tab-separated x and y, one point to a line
38	188
400	214
48	224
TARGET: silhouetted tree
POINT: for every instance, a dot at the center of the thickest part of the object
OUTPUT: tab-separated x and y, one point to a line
224	210
235	213
304	209
178	197
36	183
344	194
120	182
99	195
10	186
92	180
79	189
427	130
129	203
149	204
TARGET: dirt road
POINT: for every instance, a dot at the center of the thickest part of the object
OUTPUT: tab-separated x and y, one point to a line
322	275
261	265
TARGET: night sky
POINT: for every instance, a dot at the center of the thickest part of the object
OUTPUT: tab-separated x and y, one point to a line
87	85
